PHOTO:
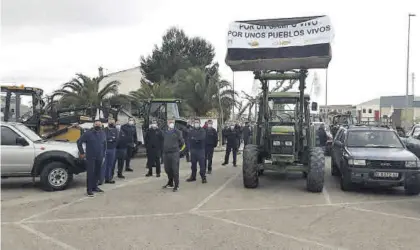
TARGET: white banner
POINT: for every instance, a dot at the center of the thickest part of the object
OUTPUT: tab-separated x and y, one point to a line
250	36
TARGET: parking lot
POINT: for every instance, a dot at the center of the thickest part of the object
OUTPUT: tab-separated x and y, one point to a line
137	214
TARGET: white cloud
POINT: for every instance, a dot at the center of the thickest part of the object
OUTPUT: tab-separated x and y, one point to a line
369	50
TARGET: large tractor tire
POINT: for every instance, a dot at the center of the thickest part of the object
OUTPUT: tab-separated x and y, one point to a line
316	171
250	166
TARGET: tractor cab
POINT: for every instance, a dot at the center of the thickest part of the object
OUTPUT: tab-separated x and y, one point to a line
13	110
161	110
284	126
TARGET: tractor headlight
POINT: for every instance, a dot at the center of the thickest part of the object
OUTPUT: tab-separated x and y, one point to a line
288	143
276	143
356	162
411	164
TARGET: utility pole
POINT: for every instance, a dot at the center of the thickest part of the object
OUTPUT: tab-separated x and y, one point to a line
408	68
234	102
412	83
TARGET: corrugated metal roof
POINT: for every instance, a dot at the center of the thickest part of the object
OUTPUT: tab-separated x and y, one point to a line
398	102
375	101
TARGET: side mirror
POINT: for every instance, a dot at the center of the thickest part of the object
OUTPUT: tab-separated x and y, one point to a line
21	141
314	106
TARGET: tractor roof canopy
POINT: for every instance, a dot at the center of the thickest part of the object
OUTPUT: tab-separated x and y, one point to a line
294	95
280	44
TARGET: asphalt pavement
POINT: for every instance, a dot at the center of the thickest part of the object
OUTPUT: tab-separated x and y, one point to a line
136	213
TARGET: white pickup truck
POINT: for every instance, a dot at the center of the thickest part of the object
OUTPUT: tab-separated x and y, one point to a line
25	154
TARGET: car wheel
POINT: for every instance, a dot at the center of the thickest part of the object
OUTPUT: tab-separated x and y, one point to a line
412	189
345	183
55	176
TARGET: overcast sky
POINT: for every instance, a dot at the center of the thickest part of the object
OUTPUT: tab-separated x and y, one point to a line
44	42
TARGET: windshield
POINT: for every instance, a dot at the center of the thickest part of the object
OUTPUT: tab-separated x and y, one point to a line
172	110
373	139
28	132
282	110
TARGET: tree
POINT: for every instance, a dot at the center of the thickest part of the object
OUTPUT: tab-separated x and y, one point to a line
84	91
203	90
177	51
152	90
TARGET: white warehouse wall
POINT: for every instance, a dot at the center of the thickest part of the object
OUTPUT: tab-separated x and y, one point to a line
129	79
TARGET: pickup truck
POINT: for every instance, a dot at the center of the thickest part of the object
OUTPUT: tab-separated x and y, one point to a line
25	154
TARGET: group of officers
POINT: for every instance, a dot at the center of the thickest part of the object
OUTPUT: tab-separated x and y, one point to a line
114	145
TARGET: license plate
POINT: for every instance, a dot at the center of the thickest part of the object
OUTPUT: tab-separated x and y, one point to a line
386	175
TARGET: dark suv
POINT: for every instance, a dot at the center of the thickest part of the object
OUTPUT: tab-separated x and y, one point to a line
374	155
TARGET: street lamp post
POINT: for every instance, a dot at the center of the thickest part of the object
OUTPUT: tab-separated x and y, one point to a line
408	65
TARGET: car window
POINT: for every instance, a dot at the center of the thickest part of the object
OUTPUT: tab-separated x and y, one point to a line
8	136
343	136
416	132
374	139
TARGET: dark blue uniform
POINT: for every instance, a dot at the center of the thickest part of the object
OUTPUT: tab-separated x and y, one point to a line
197	143
247	133
95	141
154	144
185	133
111	144
211	143
131	138
232	140
121	150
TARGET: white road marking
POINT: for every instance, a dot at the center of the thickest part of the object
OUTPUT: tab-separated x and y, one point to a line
326	195
303	206
203	202
81	199
383	213
47	238
287	236
104	218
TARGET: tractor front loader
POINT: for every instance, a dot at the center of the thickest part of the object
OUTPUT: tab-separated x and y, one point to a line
284	139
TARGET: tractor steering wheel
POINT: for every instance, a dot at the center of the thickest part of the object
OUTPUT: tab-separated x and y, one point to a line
281	119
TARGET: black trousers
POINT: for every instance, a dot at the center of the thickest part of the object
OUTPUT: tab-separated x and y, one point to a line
209	157
246	141
153	160
128	157
171	164
119	159
198	157
93	169
234	151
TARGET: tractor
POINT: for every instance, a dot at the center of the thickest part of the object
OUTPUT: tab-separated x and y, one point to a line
284	138
339	120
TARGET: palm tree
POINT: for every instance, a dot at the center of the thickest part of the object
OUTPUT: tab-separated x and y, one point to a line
84	91
203	91
150	90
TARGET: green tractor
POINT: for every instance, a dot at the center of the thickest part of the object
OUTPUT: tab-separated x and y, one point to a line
282	49
161	110
285	139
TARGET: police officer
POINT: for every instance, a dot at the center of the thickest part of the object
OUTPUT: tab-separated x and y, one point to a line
232	143
211	143
197	142
131	133
238	129
121	149
322	135
95	141
246	133
153	143
185	133
111	138
172	144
